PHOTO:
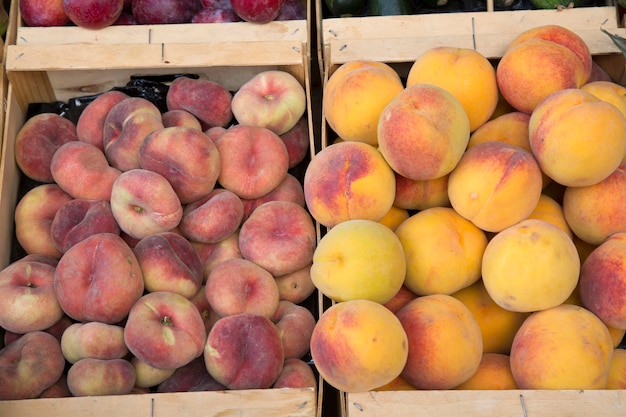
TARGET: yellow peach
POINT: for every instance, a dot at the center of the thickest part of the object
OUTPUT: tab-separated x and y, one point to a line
355	95
493	373
562	36
423	132
617	335
497	325
540	61
443	251
532	70
563	347
591	221
445	345
394	217
358	346
603	281
530	266
575	298
348	180
495	185
465	73
421	194
511	128
550	210
398	384
359	259
562	129
617	370
608	91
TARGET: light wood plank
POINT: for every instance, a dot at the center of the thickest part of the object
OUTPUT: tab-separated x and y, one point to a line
404	38
294	30
514	403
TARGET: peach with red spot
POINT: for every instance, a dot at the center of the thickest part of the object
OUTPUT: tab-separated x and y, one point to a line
348	180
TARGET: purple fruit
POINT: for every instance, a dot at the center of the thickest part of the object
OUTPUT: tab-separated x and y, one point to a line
93	14
156	12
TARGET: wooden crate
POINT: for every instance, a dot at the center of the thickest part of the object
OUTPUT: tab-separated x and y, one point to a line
41	73
404	38
484	403
398	41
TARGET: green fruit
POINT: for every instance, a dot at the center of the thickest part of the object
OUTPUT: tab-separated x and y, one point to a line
391	7
340	8
553	4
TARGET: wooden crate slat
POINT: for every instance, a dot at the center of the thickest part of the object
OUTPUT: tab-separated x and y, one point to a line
390	27
390	50
181	33
403	38
87	57
513	403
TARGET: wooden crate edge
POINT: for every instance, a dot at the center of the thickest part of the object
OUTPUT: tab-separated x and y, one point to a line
607	403
297	402
403	38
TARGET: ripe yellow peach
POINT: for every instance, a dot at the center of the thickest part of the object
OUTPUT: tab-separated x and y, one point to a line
355	95
591	221
524	80
394	217
562	128
465	73
493	373
539	62
348	180
421	194
398	384
495	185
359	346
563	347
608	91
603	281
550	210
497	325
359	259
562	36
443	251
423	132
616	334
617	370
530	266
511	128
445	345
